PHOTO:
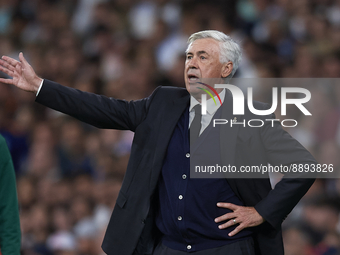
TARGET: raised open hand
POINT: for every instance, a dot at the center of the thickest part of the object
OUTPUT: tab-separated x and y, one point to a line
22	72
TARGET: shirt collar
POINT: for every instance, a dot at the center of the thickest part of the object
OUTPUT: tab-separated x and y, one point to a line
211	106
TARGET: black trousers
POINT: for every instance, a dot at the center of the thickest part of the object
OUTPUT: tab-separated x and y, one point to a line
244	247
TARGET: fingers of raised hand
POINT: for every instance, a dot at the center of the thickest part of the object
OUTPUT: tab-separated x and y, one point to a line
22	58
6	71
7	81
10	61
6	65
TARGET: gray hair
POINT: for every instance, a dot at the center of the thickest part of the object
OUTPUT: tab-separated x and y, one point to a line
229	49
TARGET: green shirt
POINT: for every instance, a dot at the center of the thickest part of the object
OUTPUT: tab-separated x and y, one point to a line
10	234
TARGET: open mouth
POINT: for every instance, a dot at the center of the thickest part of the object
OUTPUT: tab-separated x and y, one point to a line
193	78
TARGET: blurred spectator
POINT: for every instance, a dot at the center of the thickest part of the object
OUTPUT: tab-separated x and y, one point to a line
296	242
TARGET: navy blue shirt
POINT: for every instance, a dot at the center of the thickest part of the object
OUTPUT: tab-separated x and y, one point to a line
187	207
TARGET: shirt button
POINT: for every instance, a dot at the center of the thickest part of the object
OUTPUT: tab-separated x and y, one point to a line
189	247
184	176
187	155
180	197
179	218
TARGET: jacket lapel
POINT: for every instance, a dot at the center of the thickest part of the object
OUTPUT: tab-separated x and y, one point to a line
168	124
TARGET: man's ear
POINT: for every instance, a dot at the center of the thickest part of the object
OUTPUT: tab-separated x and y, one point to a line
227	68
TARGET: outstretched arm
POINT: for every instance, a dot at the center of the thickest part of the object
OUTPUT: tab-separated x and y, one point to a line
96	110
24	76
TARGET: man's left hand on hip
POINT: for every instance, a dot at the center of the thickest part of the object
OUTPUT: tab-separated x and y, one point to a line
244	216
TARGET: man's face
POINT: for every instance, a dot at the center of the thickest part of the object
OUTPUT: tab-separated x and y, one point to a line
203	61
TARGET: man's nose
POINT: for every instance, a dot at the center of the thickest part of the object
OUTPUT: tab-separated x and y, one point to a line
192	63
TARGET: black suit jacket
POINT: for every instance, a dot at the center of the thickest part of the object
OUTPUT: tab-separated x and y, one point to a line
131	229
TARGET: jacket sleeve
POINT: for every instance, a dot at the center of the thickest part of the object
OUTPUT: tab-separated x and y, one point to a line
10	235
282	149
96	110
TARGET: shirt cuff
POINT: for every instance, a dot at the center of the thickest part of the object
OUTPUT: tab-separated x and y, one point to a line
40	87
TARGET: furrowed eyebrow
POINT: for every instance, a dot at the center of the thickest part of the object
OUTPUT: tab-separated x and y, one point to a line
198	53
202	52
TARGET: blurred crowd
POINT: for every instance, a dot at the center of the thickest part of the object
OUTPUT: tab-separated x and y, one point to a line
69	173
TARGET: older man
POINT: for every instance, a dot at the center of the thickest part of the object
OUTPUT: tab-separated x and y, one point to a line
160	210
